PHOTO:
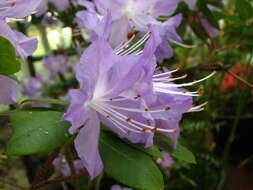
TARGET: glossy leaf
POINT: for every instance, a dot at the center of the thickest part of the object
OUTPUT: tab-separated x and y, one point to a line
9	62
47	101
36	132
183	154
129	165
180	153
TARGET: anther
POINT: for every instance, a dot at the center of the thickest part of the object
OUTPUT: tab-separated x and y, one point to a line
137	96
178	67
154	130
146	109
128	119
167	108
144	130
131	34
129	131
110	99
175	130
107	116
12	4
200	91
158	68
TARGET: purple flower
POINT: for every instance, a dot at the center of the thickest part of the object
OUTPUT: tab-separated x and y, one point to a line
119	89
33	87
18	9
61	5
211	31
111	89
133	15
64	168
57	64
166	161
105	77
118	187
8	92
49	19
24	46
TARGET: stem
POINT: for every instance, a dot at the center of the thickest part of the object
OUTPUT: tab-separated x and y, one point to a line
59	180
44	38
42	173
98	182
31	67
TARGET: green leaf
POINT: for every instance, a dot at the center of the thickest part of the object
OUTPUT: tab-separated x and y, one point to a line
244	9
47	101
128	165
6	47
152	151
183	154
36	132
165	143
9	62
180	153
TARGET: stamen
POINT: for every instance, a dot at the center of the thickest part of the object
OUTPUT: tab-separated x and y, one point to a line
168	79
138	52
166	73
154	130
198	108
200	91
133	122
163	90
139	110
144	130
136	45
12	4
167	108
187	84
181	44
113	119
116	115
123	46
137	96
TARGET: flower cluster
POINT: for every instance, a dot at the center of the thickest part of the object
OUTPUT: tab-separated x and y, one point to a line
137	16
120	85
121	88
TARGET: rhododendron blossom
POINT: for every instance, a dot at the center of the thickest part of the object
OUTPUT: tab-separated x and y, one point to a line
131	15
8	88
18	9
119	89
